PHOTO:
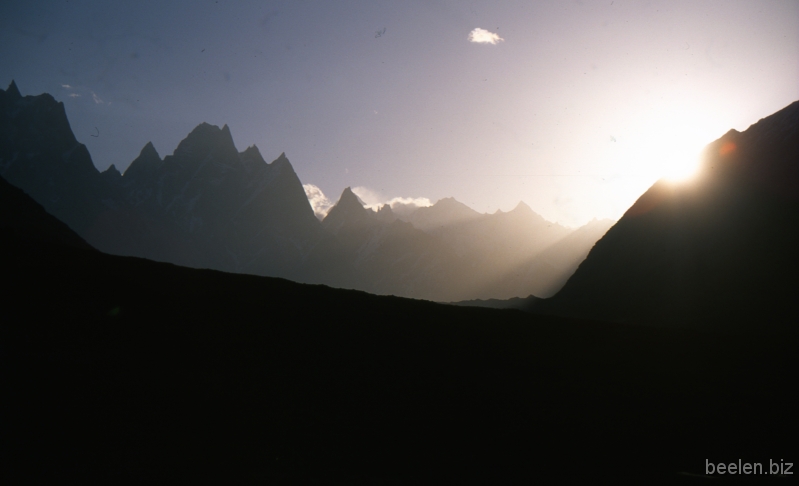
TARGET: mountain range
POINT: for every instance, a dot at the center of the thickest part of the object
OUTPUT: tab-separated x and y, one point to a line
123	369
207	205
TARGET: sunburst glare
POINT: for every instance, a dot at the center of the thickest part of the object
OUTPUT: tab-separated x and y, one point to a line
667	145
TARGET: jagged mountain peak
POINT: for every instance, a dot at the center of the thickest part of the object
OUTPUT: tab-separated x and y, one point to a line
281	161
348	209
444	212
204	127
13	91
522	207
147	162
252	160
252	150
113	171
149	147
149	152
449	202
111	174
348	198
206	142
522	210
386	214
207	131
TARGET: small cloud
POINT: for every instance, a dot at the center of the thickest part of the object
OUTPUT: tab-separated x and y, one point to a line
319	202
370	198
403	206
74	95
66	86
482	36
96	98
400	205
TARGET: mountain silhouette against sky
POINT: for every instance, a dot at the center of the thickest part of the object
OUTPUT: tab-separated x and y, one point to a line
121	369
207	205
716	252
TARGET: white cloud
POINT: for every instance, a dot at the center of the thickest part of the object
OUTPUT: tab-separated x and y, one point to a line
403	206
96	98
319	202
74	95
370	198
400	205
482	36
66	86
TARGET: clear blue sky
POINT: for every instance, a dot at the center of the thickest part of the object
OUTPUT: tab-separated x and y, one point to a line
576	108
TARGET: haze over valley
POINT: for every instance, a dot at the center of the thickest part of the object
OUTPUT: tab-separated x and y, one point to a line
210	206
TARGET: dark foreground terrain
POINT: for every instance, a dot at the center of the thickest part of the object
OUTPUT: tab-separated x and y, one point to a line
124	370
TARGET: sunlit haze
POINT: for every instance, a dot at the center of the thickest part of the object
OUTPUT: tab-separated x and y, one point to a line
575	108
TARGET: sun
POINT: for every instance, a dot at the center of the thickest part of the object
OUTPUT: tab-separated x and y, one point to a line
677	153
668	144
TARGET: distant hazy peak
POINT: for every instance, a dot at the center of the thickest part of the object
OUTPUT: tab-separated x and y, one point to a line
522	210
348	198
386	214
450	202
522	207
348	209
13	91
444	212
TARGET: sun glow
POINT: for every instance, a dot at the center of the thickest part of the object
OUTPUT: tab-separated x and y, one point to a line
668	145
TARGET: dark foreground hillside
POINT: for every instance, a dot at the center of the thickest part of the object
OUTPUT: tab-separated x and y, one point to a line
125	370
718	252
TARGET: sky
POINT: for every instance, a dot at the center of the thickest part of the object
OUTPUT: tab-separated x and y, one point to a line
574	107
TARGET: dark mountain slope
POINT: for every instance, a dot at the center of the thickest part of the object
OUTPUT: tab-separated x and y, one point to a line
119	369
23	220
718	252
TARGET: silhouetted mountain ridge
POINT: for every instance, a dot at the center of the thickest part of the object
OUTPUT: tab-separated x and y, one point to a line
120	369
207	205
717	252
